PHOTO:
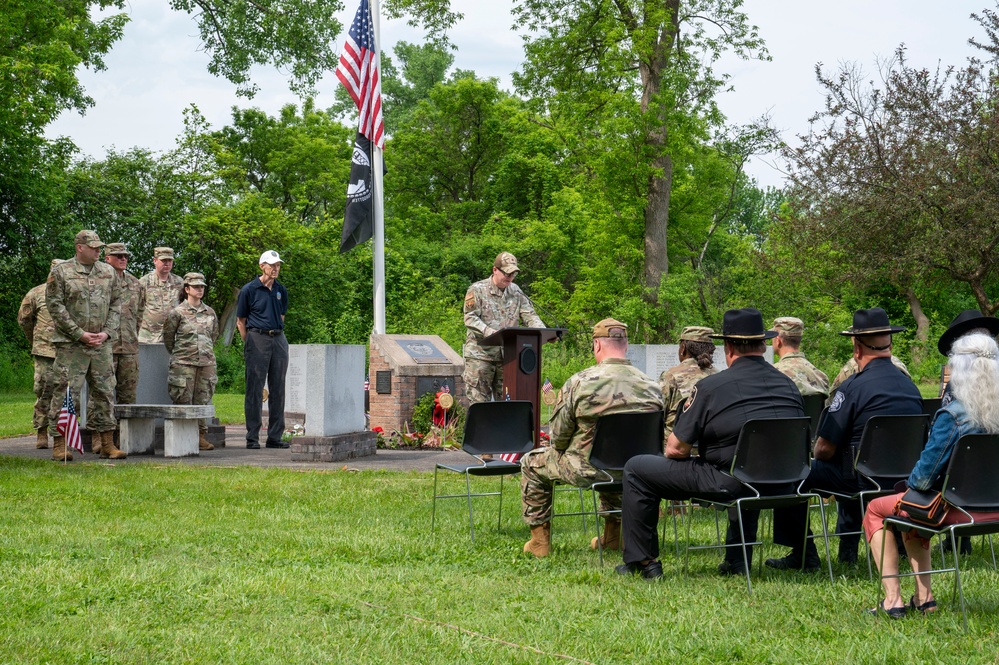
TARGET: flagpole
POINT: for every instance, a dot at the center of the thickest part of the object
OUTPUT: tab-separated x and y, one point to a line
378	209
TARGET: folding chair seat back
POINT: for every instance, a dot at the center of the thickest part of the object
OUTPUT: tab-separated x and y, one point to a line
621	436
890	446
772	451
814	405
931	405
971	473
497	428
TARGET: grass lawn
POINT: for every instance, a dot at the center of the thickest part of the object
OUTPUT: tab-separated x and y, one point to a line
16	410
148	563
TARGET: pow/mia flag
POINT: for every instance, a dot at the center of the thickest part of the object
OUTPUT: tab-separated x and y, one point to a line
358	220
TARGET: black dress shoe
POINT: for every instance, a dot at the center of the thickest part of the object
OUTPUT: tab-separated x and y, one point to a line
731	568
792	562
653	570
253	446
279	444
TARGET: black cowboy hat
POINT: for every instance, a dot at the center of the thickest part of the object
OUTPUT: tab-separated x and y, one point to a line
967	320
872	321
746	323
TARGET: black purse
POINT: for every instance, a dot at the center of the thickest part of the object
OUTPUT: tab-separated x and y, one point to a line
923	506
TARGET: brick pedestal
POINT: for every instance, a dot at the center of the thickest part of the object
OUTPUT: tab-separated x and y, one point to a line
333	448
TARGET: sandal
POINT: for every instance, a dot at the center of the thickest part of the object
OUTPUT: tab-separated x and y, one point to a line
892	612
926	608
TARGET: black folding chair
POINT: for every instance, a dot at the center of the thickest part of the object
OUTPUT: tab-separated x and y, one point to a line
771	455
931	405
889	449
969	485
619	437
814	405
491	428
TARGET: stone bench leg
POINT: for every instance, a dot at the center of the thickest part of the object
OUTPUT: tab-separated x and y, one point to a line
136	435
180	438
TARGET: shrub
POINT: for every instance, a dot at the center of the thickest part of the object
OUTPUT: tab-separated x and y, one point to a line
230	368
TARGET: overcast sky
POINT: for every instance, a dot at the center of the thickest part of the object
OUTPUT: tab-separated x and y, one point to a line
157	69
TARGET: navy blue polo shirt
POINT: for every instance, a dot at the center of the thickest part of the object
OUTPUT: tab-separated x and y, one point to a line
720	404
262	307
880	390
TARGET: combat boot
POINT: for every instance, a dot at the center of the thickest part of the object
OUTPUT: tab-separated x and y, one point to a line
59	452
611	540
204	443
108	449
43	438
541	540
95	443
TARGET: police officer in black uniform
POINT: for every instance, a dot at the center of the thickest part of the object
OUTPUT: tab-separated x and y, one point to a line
878	389
711	419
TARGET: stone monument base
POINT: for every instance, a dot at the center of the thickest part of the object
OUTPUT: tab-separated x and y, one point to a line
333	448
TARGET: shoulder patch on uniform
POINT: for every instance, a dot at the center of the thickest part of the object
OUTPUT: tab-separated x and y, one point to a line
690	400
469	300
837	402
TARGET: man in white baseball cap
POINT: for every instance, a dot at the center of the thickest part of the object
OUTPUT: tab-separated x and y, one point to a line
260	312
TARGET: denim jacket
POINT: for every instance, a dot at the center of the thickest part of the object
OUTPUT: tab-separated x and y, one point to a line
949	424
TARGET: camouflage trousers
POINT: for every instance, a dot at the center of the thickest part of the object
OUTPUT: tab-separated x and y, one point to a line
74	364
540	468
43	391
192	384
483	380
126	374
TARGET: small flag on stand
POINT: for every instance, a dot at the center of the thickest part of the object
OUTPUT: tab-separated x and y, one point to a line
68	425
546	387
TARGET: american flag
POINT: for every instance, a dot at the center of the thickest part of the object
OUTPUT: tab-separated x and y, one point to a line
68	425
358	72
510	457
546	387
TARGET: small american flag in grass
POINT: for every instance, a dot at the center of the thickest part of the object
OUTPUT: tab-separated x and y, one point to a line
68	425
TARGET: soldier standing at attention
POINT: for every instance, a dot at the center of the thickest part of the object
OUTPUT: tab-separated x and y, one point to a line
492	304
125	351
696	353
84	298
162	288
189	335
787	344
613	385
35	321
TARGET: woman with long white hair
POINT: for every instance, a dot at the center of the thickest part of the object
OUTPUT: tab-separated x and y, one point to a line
974	409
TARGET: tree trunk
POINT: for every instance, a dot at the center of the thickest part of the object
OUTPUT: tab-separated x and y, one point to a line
227	324
656	221
922	325
986	306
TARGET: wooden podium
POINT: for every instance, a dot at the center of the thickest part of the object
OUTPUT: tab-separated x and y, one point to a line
522	364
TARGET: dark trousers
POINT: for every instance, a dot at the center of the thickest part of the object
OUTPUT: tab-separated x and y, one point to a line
266	358
791	524
650	478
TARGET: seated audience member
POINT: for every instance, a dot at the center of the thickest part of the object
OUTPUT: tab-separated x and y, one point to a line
696	354
974	383
711	419
613	385
878	389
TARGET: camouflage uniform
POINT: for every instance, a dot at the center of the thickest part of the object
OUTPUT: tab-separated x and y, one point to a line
809	379
126	349
189	335
613	386
84	299
676	384
487	310
850	368
161	298
34	319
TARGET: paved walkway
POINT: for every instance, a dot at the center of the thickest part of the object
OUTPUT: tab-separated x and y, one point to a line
235	453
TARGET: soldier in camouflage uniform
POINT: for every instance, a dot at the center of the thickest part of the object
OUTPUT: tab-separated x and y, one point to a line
34	319
189	335
850	368
126	349
491	305
787	344
83	296
613	385
162	289
696	362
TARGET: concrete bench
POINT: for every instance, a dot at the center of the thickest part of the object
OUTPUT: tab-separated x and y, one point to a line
180	427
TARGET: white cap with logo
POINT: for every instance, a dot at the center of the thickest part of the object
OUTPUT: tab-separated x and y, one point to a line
270	256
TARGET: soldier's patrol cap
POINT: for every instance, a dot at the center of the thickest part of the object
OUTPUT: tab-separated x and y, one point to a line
506	262
117	249
56	262
88	238
163	253
789	325
610	328
194	279
271	257
697	334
